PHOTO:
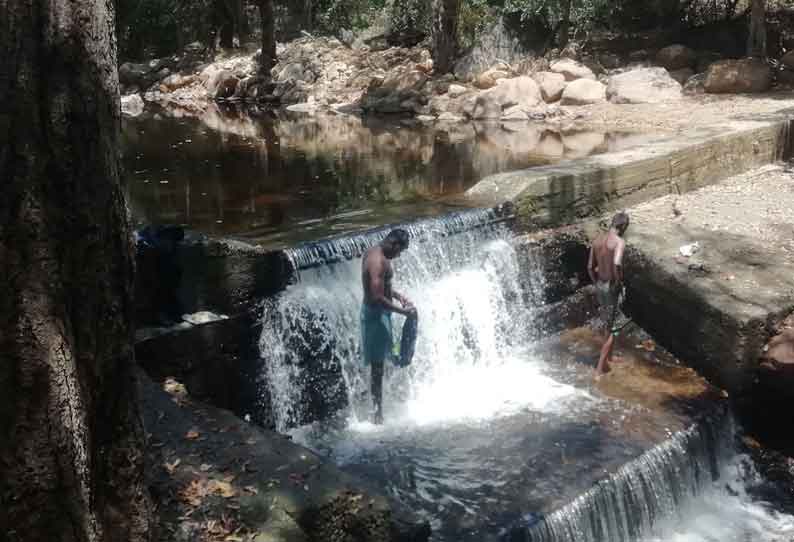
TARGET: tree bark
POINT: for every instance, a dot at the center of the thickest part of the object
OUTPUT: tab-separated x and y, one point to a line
71	440
564	28
445	34
756	41
268	57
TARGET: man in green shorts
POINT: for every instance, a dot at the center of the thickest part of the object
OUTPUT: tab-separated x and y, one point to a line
376	333
605	267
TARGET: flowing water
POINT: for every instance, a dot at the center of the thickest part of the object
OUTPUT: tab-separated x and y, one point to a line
495	433
491	433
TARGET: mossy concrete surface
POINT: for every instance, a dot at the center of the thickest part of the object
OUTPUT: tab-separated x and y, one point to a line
573	190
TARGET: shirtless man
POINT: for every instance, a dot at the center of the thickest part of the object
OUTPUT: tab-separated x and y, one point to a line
376	336
605	267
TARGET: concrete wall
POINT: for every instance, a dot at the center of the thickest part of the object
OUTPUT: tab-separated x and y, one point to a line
574	190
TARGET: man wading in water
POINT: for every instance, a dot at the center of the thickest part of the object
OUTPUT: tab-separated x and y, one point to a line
605	267
376	336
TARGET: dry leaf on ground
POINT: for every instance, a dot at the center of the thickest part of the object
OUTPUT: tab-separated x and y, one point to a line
192	434
171	467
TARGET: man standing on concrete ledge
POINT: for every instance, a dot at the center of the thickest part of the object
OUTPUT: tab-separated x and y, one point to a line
605	267
376	335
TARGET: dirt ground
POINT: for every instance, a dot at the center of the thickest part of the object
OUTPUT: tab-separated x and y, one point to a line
694	111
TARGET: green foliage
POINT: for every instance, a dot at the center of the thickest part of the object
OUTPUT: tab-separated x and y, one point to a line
409	17
583	13
475	17
331	16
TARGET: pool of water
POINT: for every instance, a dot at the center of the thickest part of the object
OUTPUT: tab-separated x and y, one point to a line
490	444
279	179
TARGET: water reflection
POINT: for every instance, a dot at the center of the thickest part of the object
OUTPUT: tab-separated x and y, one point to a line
253	174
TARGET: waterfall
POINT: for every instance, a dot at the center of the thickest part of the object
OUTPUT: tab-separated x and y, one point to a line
629	504
462	273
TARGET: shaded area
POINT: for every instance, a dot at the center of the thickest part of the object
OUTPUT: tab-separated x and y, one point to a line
216	477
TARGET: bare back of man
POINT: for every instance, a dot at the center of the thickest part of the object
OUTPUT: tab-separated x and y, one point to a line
605	267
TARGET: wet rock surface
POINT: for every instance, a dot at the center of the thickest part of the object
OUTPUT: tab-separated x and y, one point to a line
216	477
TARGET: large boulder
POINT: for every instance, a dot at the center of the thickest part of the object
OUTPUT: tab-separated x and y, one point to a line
132	74
643	85
571	69
682	75
551	85
521	91
399	93
675	57
489	78
734	76
583	92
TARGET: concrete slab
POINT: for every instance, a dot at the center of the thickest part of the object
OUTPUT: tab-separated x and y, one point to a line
718	308
576	189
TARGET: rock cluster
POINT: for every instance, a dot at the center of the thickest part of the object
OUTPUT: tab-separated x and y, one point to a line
324	73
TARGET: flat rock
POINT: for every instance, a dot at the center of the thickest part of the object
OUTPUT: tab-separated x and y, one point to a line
643	85
583	92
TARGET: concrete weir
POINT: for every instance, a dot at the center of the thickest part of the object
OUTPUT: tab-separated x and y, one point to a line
572	190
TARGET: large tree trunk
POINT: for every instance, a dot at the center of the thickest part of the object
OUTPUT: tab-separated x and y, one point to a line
445	34
71	457
756	41
268	57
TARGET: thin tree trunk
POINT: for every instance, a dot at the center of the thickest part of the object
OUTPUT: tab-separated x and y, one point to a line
564	28
71	457
756	41
445	34
268	57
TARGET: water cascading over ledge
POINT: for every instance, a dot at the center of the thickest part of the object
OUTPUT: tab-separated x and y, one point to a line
461	271
628	505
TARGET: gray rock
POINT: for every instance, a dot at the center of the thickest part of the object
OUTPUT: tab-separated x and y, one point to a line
132	105
695	84
583	92
131	73
682	75
456	90
521	91
675	57
610	61
734	76
571	69
551	85
643	85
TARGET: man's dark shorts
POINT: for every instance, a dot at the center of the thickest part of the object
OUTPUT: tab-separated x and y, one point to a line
608	297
